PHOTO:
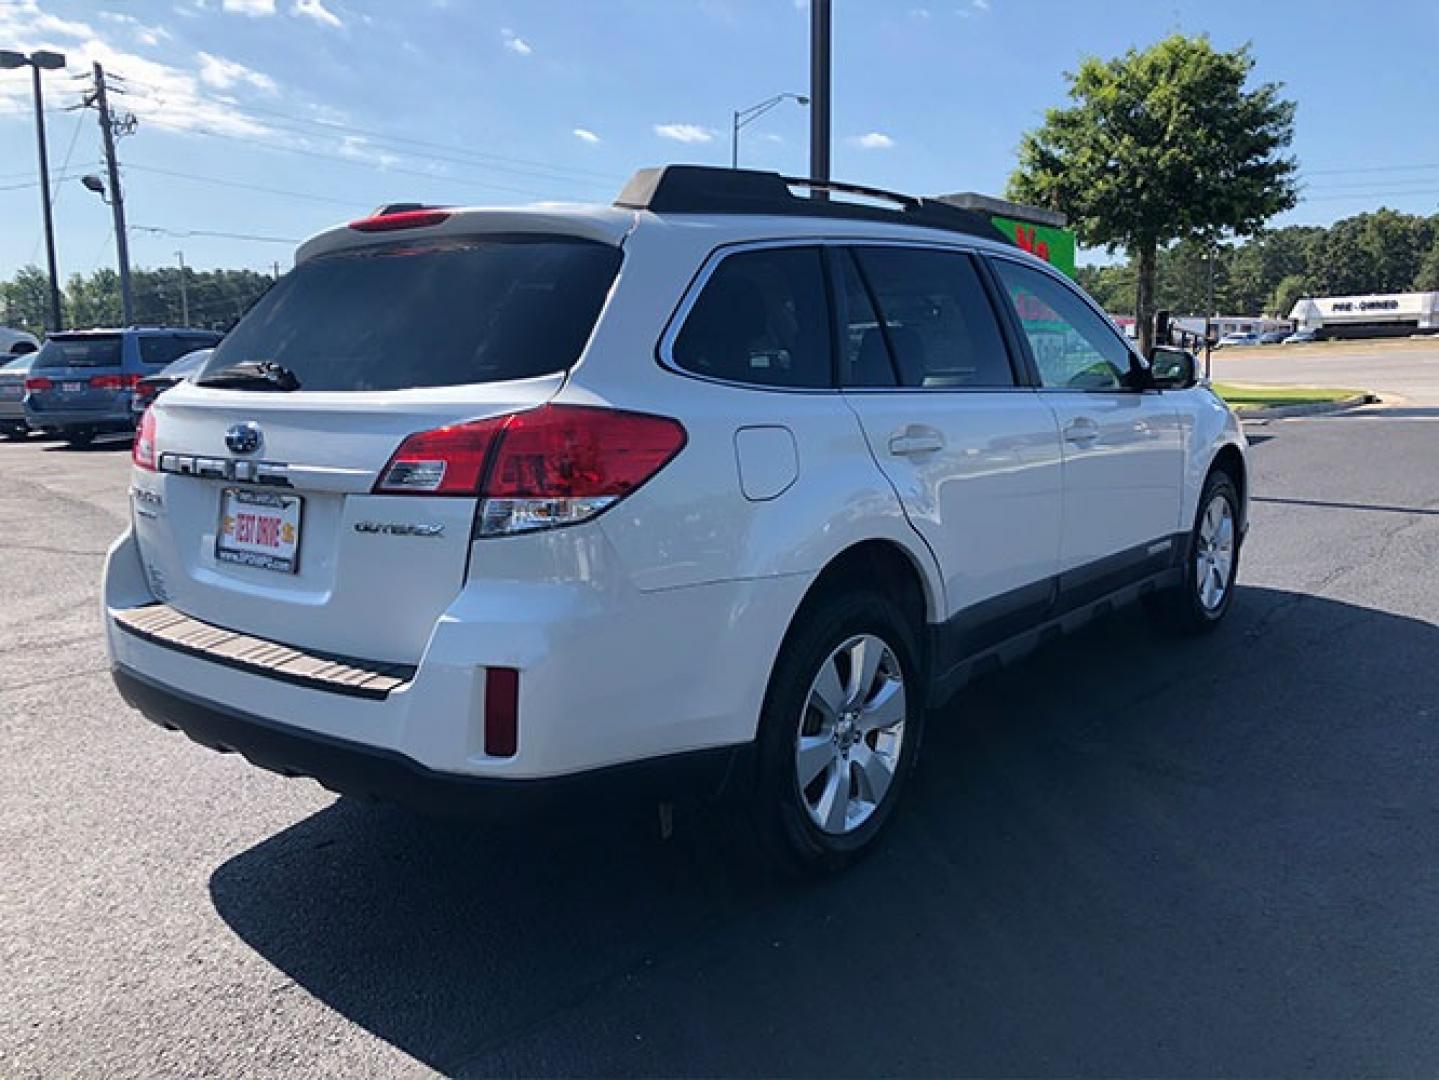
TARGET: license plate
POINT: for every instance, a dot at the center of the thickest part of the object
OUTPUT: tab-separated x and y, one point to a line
260	529
72	388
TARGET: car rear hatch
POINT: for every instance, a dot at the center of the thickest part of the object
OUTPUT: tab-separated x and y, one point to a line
269	525
78	373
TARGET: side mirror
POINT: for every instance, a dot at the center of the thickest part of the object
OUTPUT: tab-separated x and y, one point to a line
1172	369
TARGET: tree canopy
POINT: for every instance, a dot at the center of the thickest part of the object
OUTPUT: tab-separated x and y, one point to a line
1381	251
1162	145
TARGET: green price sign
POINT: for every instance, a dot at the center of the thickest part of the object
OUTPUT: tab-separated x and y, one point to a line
1054	246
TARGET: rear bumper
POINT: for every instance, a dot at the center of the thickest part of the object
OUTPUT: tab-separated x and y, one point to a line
12	412
351	768
118	418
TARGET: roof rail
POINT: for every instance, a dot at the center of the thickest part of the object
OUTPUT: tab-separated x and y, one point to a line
705	189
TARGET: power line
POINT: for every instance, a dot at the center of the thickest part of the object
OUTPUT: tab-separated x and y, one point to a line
476	158
1370	169
186	233
241	185
342	160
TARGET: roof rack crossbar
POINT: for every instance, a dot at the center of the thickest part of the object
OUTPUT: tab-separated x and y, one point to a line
703	189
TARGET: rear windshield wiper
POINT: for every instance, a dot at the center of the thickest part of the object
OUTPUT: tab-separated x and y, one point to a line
253	375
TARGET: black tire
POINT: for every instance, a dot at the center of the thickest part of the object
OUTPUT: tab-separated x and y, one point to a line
80	438
780	806
16	434
1183	609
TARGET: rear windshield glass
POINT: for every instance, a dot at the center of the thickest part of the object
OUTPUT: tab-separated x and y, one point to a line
94	350
166	349
422	315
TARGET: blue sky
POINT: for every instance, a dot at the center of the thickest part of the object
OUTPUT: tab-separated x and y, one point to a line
335	106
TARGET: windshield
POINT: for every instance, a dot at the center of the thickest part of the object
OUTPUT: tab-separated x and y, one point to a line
92	350
422	315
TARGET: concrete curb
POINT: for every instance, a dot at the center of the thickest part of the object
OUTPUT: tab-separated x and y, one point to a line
1276	412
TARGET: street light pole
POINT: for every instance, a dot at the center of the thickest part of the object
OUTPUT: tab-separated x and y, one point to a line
184	294
820	33
56	316
38	61
744	117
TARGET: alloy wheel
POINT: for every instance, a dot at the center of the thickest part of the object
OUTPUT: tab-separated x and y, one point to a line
851	733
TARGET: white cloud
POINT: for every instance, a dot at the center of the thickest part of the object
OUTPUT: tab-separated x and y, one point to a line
516	44
253	8
162	95
586	135
316	9
685	133
919	13
361	149
224	74
874	140
145	35
980	5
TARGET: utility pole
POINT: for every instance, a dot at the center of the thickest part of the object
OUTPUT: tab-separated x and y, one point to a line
117	198
819	85
184	294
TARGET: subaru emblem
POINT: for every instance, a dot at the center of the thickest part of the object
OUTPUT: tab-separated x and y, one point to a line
243	438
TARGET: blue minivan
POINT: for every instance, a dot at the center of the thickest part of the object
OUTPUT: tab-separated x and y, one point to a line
81	381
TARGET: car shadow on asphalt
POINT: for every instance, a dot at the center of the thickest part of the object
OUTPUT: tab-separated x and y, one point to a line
1128	854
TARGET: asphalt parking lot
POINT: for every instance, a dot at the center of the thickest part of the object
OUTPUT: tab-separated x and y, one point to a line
1128	856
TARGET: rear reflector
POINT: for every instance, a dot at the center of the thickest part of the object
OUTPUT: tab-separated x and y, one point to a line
405	219
32	385
502	701
551	466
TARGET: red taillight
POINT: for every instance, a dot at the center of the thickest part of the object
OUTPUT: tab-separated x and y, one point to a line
555	465
143	452
405	219
445	461
114	382
32	385
502	721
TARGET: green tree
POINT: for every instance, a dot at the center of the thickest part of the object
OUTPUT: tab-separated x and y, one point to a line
1427	280
1162	145
26	298
1287	293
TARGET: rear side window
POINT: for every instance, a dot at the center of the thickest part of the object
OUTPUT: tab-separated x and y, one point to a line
158	350
761	318
428	314
92	350
940	326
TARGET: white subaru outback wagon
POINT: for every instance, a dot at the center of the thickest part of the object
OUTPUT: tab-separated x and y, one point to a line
715	489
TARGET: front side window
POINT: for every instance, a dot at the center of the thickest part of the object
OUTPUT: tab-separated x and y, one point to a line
761	318
938	322
1074	347
863	353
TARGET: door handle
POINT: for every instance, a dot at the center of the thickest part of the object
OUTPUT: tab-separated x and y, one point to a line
1081	431
915	439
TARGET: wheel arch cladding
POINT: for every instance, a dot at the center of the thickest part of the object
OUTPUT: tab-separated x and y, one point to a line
1231	462
885	567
